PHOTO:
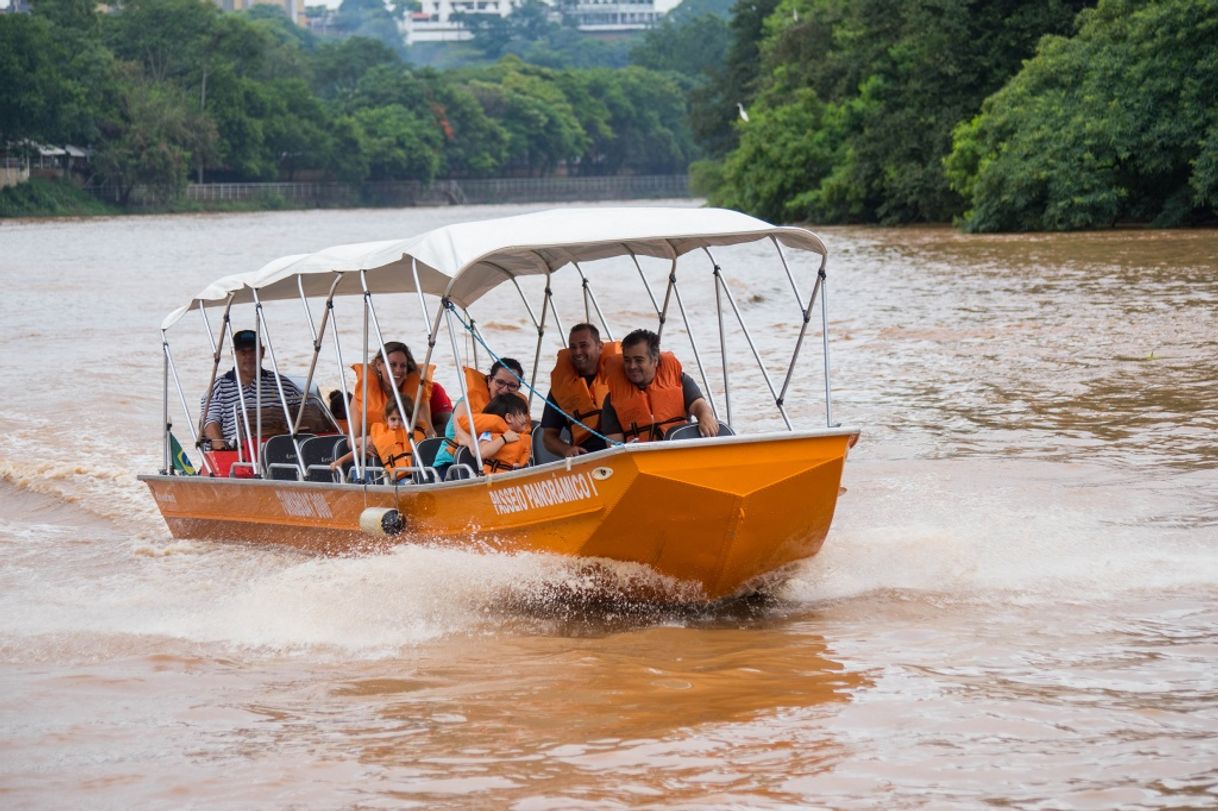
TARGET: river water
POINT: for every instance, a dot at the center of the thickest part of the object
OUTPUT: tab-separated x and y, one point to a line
1017	604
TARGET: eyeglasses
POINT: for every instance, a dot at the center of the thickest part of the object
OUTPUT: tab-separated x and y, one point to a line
510	385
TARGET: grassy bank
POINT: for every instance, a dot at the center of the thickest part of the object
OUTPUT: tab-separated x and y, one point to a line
39	197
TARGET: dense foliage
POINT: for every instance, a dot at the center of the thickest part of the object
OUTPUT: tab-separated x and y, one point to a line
852	103
163	90
1118	123
1008	115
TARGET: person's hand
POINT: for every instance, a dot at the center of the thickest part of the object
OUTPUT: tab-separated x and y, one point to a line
573	450
708	425
334	465
510	436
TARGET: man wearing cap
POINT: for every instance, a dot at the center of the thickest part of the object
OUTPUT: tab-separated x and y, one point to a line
226	400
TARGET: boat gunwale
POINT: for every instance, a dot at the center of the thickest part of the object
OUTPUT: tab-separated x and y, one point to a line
512	475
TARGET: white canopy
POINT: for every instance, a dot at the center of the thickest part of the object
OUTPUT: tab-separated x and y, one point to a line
467	260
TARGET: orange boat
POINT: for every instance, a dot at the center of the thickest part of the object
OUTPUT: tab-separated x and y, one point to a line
715	517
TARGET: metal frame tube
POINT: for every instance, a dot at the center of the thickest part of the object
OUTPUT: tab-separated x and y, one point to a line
216	355
756	355
384	356
727	386
646	286
469	411
166	427
283	397
693	345
823	278
590	295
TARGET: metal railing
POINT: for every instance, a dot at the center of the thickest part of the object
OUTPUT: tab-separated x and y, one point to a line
472	191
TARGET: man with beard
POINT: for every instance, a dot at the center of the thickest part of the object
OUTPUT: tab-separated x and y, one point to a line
650	393
578	387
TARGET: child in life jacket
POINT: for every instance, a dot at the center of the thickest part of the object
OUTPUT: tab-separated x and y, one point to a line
503	433
388	441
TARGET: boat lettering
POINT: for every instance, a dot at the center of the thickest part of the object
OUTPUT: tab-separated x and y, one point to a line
304	505
545	493
165	498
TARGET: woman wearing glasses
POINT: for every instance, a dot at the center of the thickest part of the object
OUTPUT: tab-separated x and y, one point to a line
504	378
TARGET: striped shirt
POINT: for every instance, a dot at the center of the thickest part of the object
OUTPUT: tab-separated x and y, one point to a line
225	405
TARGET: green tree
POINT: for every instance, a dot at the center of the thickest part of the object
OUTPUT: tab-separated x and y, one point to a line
695	47
152	141
894	79
339	66
542	126
399	144
713	105
372	20
1116	123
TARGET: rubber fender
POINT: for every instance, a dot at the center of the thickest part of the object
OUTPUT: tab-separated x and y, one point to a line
381	521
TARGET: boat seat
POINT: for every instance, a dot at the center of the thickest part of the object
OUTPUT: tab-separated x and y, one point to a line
464	466
279	457
372	465
317	453
428	449
425	472
540	454
690	431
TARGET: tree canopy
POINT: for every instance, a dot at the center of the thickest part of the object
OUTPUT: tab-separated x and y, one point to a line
167	89
1044	114
1117	123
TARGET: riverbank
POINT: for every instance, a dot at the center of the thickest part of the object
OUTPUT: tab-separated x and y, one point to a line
54	198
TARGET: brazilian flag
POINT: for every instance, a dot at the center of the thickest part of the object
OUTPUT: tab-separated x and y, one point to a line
180	462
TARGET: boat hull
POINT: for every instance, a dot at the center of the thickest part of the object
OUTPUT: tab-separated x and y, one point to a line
716	514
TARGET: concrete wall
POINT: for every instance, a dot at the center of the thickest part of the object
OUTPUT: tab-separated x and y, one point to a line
12	175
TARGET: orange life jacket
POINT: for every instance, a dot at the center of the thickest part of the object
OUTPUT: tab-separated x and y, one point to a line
476	390
646	413
378	399
573	395
512	455
392	446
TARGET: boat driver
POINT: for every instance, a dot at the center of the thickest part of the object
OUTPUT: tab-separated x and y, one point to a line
650	393
577	388
220	428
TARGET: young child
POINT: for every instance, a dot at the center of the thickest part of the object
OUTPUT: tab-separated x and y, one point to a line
503	433
388	441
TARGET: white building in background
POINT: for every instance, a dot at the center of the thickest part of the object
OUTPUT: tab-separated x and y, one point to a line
434	23
610	16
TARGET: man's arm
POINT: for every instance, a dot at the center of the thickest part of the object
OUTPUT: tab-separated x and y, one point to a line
552	423
697	407
212	430
701	411
610	426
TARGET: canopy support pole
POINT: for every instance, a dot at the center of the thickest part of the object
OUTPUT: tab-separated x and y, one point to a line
171	369
370	314
166	428
357	458
727	385
693	345
654	304
313	331
469	410
806	316
756	355
822	277
216	354
283	397
590	296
